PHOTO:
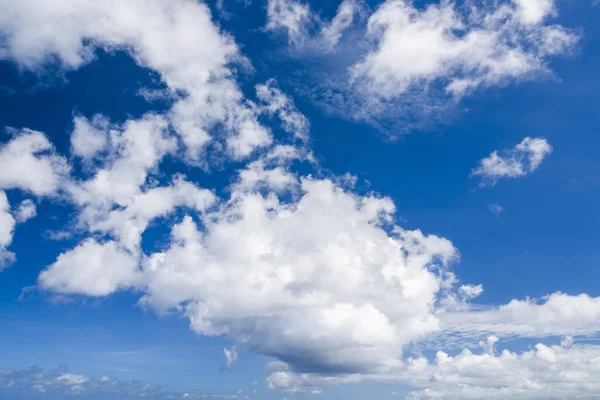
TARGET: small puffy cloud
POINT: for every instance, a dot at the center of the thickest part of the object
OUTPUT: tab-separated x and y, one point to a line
525	158
535	11
89	137
551	372
28	162
231	357
558	314
263	264
194	59
25	211
440	43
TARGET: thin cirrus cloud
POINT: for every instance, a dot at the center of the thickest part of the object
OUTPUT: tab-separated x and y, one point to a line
522	160
262	263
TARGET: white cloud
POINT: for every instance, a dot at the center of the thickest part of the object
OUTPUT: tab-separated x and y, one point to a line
7	226
415	47
266	272
276	102
8	222
525	158
558	314
72	379
332	32
265	268
548	372
413	63
289	16
28	162
175	38
264	265
535	11
91	268
231	357
471	291
26	211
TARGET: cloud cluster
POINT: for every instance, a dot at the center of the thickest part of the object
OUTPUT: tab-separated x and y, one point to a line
296	266
29	163
36	383
548	372
555	315
415	62
525	158
177	39
544	372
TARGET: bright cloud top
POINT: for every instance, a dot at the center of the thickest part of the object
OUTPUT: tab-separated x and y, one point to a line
525	158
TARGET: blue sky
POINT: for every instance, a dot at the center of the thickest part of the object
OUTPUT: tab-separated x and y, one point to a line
302	185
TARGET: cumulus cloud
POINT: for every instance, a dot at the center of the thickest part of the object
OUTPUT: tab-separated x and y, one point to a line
89	137
29	163
117	198
548	372
525	158
262	263
91	268
307	31
282	277
26	211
